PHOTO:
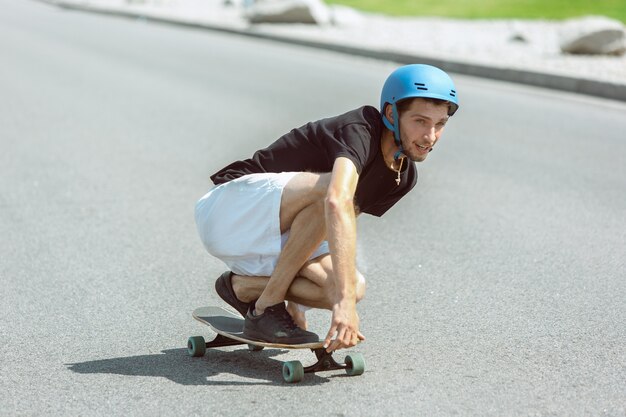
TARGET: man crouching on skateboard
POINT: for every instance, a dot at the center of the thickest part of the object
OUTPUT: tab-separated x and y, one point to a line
284	221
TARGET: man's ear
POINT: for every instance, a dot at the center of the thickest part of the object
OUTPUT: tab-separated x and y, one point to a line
389	112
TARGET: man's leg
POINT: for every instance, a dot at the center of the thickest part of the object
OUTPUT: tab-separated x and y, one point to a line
313	286
302	213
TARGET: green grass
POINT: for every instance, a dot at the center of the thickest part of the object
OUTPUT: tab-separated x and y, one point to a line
492	9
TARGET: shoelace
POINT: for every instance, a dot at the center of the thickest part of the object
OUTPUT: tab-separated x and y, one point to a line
285	319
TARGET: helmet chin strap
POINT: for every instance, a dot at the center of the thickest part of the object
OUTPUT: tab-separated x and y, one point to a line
396	132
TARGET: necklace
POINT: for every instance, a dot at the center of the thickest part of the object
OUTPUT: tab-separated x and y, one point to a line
398	171
388	147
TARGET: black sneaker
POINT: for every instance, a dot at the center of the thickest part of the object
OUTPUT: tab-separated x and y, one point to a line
224	288
275	325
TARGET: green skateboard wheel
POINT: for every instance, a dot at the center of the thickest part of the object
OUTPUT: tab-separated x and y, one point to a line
293	371
196	346
355	364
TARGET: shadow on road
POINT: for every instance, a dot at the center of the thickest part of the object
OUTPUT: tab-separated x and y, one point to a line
177	366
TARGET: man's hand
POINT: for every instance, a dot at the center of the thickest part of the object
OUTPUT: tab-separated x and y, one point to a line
345	325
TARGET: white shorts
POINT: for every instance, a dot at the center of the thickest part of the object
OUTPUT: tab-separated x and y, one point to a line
239	223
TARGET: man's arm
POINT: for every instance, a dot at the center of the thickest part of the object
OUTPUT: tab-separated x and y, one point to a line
341	234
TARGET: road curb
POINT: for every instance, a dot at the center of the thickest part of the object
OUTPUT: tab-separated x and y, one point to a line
595	88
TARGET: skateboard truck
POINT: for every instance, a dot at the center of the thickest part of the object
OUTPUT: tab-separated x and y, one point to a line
325	362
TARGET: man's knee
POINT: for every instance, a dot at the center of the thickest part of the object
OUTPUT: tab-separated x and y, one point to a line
360	286
359	290
304	188
320	271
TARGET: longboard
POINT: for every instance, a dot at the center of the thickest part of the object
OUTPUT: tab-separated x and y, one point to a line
229	329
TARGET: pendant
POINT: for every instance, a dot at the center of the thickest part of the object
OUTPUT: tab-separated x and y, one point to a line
397	181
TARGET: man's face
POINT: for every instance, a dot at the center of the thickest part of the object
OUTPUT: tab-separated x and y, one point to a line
421	125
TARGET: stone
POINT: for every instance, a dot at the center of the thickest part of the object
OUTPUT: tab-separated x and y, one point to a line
593	35
288	11
345	16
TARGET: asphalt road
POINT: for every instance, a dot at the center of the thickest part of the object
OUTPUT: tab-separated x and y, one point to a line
496	288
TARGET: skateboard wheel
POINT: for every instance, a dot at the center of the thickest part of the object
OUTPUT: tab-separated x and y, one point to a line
293	371
355	364
196	346
254	348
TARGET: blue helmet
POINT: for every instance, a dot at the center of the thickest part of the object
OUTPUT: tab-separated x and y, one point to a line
417	80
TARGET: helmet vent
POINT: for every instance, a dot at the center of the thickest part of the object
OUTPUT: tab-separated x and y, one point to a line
421	86
453	93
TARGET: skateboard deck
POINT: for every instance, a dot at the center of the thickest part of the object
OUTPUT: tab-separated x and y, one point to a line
229	329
